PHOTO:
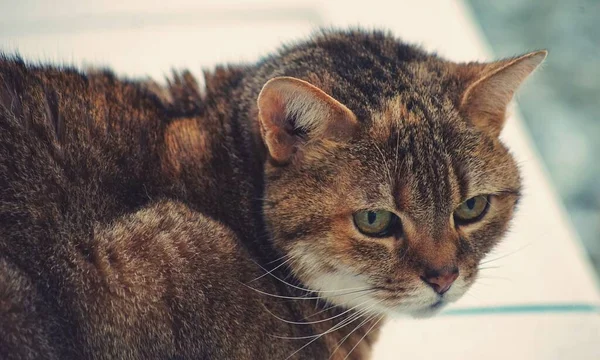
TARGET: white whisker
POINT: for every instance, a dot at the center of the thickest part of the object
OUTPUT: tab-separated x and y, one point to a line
488	267
270	271
328	308
503	256
369	318
351	318
317	321
302	297
305	289
364	336
345	322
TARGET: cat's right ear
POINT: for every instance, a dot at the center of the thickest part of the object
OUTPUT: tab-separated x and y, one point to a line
293	112
490	87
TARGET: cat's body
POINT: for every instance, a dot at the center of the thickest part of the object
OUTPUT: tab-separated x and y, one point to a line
129	225
134	220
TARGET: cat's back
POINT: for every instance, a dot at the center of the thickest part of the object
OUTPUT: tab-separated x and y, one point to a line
76	155
98	258
74	150
116	230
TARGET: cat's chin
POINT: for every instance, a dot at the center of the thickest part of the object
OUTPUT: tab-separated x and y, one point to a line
423	312
429	311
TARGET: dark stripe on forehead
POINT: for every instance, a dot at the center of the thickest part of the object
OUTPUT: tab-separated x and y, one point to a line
462	176
440	154
459	158
432	154
368	76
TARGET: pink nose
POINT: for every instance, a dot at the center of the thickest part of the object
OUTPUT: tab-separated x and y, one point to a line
441	280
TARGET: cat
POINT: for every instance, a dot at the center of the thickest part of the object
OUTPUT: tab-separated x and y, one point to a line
283	211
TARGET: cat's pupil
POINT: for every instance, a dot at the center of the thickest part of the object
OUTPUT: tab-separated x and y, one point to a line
471	203
371	217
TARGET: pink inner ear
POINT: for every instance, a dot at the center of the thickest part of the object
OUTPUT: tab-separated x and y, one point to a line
272	117
272	111
315	112
486	100
281	145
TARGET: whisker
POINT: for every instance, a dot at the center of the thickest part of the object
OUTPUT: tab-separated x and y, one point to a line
351	318
364	336
365	290
325	309
334	328
305	289
276	260
334	305
369	318
503	256
488	267
317	321
270	272
300	297
473	296
280	296
324	291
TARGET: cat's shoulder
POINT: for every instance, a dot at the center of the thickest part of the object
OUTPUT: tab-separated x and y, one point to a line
168	235
81	89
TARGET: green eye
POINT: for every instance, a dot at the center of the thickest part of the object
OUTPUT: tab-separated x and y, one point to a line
472	210
376	223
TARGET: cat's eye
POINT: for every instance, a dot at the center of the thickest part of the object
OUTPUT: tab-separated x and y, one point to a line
471	210
376	223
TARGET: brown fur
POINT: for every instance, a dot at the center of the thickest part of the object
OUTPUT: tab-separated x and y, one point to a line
138	221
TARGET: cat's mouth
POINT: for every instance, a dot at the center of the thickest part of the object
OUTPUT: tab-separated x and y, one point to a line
344	287
407	302
419	302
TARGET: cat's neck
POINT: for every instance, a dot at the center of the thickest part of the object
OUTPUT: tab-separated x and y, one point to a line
223	178
214	154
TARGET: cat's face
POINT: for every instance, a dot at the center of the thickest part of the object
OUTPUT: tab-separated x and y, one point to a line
392	213
381	212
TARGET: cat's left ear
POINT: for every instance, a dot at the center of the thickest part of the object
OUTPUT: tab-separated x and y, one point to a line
293	113
491	87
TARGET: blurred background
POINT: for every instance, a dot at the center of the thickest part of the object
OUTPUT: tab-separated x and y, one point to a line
561	104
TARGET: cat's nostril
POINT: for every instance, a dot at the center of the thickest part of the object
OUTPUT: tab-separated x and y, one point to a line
440	280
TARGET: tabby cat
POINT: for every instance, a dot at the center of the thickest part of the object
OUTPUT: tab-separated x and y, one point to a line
280	212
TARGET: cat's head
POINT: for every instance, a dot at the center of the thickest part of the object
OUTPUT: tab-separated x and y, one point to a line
389	201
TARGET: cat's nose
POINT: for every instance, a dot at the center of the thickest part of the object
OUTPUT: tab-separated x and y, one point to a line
441	280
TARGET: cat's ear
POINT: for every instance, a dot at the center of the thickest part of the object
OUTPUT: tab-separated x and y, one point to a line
293	112
491	87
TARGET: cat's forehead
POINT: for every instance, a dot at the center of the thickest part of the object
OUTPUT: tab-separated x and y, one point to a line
420	117
429	158
425	151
